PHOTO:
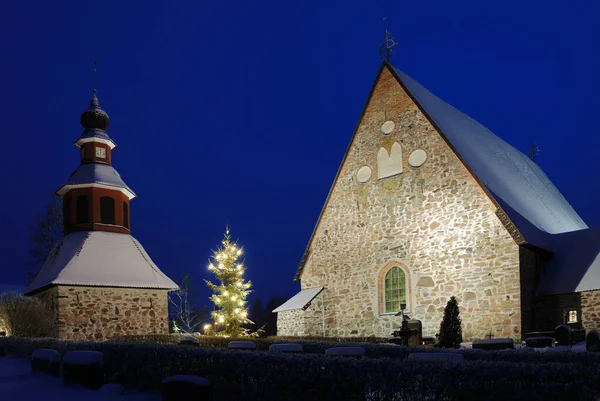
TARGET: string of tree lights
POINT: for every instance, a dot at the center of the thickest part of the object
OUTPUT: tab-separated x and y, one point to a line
229	294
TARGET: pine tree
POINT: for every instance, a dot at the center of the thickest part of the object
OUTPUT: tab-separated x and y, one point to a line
229	295
450	329
44	235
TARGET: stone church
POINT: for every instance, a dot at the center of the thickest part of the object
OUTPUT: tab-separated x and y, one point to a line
429	204
98	280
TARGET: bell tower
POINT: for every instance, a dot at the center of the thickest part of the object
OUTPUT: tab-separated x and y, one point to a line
95	198
98	280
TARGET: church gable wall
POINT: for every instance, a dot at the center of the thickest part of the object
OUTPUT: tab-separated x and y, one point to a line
98	313
434	221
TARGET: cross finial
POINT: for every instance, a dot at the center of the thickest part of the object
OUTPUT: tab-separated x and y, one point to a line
387	47
95	64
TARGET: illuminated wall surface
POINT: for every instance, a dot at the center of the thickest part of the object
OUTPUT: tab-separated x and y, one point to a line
421	210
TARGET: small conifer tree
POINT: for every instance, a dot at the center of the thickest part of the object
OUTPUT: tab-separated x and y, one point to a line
450	329
229	294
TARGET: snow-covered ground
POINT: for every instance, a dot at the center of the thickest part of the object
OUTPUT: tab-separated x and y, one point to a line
17	383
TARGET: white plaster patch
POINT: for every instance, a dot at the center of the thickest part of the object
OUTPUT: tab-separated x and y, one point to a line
389	164
417	158
387	127
363	174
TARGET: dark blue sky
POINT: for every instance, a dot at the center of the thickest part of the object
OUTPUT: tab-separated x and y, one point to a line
241	111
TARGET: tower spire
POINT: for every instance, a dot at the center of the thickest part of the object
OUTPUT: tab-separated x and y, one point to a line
387	47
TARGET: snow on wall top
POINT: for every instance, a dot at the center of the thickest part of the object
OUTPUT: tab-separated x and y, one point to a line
505	171
300	300
98	258
96	173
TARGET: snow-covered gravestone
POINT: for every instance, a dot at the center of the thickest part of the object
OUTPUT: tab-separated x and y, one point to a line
186	387
189	340
294	348
435	356
345	351
493	344
84	367
247	345
592	341
46	361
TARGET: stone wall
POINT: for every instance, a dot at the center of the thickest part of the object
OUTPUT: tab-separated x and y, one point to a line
590	309
290	323
434	221
98	313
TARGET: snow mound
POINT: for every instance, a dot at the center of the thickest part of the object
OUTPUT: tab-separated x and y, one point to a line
241	345
435	356
285	348
189	339
197	380
84	358
345	351
48	354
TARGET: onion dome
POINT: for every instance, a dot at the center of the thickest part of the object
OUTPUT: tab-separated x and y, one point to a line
94	117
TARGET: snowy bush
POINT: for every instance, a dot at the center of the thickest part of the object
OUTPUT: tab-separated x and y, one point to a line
277	376
23	316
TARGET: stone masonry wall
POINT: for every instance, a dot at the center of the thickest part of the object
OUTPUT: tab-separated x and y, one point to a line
98	313
290	323
590	309
434	221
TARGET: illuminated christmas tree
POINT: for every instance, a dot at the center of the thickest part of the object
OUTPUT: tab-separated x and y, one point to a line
229	295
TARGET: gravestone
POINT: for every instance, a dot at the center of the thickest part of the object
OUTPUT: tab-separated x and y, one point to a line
293	348
345	351
494	344
435	356
539	342
247	345
562	334
592	341
189	340
186	387
46	361
84	367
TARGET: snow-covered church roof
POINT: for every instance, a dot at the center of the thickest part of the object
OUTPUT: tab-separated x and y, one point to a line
506	172
99	258
519	186
98	174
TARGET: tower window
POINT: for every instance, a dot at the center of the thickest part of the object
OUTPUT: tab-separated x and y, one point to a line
83	210
125	215
107	210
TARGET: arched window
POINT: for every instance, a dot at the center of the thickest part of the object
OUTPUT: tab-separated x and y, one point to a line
107	210
125	215
83	215
394	292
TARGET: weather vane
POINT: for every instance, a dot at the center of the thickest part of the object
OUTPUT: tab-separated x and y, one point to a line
387	47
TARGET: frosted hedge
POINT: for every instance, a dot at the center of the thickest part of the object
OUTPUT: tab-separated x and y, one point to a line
257	375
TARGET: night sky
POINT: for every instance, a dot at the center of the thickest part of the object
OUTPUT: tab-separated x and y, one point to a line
240	112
